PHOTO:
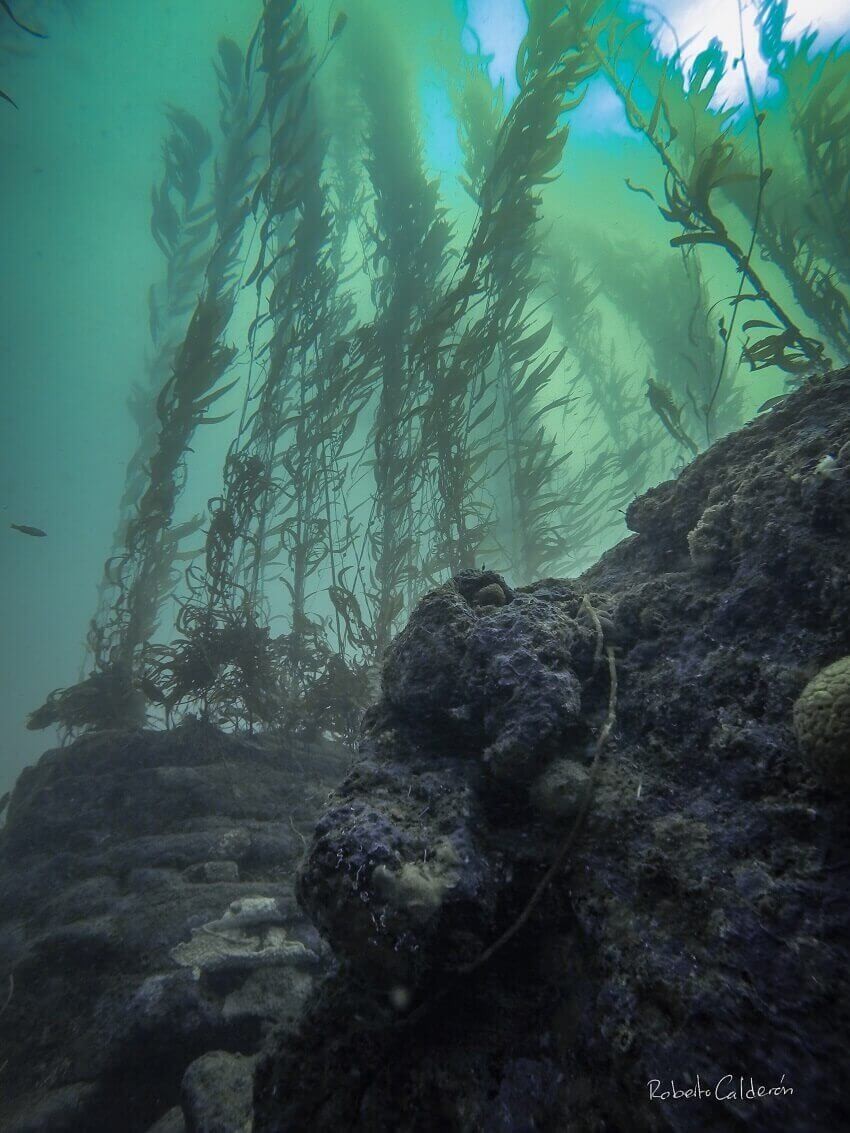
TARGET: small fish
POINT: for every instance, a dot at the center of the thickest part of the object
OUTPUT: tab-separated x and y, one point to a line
26	530
333	35
772	403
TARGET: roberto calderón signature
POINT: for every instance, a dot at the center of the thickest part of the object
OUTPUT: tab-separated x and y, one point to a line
725	1089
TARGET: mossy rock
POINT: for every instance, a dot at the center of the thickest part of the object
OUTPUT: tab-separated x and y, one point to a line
492	595
822	723
560	790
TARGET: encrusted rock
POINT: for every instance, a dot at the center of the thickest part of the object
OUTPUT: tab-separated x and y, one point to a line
249	935
124	856
217	1094
560	790
170	1122
212	871
397	876
400	876
822	723
710	541
492	595
505	681
698	923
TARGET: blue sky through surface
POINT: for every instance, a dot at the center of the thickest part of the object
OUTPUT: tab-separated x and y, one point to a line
499	26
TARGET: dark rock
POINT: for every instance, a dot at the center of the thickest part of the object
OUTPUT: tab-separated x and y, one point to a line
217	1094
171	1122
212	871
505	677
63	1110
147	916
699	925
559	791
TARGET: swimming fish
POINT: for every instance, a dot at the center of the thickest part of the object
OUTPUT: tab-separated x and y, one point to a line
26	530
333	35
669	413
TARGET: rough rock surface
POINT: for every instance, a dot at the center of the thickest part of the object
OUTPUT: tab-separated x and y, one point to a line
700	923
147	916
822	723
217	1094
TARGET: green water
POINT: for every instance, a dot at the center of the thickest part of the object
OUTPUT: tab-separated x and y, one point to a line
437	287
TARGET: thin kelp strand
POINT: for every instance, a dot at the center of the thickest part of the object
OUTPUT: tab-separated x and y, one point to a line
762	182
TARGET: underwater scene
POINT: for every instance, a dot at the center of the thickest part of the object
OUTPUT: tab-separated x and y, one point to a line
425	566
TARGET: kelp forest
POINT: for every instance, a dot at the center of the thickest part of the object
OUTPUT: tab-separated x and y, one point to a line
405	373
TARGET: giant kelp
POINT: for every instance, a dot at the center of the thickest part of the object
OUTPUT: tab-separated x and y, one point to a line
283	467
697	123
496	274
406	244
665	295
425	384
617	465
181	231
817	85
692	181
140	574
201	360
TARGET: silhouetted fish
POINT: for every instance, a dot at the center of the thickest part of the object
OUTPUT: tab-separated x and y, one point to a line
25	530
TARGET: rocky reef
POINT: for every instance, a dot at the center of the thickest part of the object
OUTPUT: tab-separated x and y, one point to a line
589	870
149	932
694	930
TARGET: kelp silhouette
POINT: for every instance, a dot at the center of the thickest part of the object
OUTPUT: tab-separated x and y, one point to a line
409	387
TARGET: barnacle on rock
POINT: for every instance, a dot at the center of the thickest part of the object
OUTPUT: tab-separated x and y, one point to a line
822	723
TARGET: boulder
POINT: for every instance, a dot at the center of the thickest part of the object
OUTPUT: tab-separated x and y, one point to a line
148	916
505	963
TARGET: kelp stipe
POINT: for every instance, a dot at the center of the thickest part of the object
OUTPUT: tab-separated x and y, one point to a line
617	467
412	398
143	573
406	258
184	401
810	237
284	464
782	230
527	149
693	176
182	233
817	85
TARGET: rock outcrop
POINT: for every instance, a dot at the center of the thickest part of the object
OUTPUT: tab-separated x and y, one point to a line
697	934
147	920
